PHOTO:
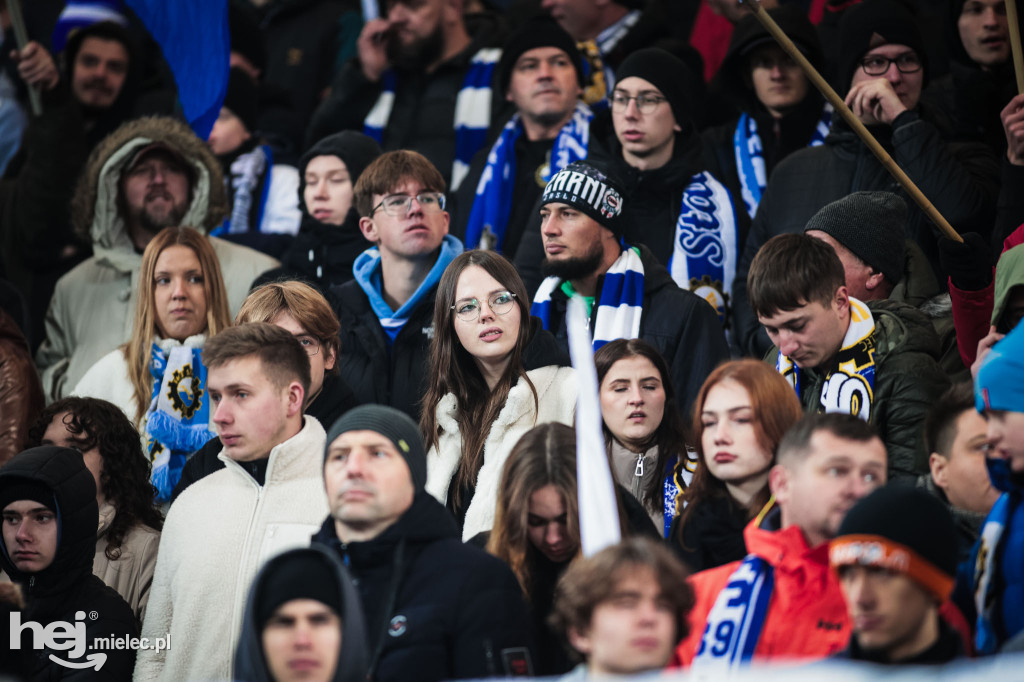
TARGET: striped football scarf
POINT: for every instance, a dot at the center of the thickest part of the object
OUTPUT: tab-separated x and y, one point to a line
472	111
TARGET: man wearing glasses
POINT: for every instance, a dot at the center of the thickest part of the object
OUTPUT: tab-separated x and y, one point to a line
386	312
676	207
883	67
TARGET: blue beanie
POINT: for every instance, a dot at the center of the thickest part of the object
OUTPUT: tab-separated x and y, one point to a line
1000	382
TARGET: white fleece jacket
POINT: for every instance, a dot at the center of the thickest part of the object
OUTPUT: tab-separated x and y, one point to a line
218	533
556	400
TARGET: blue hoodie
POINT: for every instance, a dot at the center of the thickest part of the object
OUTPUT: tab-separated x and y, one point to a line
367	273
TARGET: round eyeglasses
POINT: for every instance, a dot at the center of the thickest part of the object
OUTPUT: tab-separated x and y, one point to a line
645	104
310	344
468	309
877	65
398	205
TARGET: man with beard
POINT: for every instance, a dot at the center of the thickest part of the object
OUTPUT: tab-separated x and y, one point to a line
628	293
420	82
149	174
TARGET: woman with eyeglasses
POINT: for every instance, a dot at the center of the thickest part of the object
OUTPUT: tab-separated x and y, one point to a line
158	378
303	311
480	398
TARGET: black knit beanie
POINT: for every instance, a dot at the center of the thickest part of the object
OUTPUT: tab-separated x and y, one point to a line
540	31
749	34
27	489
301	575
356	150
903	529
890	20
243	98
590	189
870	224
394	425
666	72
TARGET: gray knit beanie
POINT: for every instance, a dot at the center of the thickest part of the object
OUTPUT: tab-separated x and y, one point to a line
394	425
869	224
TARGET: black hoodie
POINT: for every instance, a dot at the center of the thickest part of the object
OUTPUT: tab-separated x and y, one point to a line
67	586
251	665
435	609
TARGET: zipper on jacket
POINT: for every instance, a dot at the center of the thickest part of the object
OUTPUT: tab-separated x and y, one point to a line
639	470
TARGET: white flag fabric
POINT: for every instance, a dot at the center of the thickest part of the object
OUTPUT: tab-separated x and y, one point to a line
599	515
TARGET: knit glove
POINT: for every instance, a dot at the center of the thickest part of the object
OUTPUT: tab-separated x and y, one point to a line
969	265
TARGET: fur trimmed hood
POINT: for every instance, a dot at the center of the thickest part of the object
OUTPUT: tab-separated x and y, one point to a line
94	207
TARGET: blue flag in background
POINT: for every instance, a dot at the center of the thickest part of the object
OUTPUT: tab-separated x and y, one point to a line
195	40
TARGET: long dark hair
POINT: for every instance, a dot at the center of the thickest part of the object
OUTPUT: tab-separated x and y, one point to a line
453	370
125	479
670	437
775	409
545	455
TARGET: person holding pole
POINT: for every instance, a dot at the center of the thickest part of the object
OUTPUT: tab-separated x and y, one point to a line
884	68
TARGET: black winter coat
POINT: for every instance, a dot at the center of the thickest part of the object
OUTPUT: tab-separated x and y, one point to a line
422	118
377	370
960	179
681	325
713	534
67	586
320	254
435	609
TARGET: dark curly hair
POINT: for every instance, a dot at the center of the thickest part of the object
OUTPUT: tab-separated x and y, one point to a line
125	479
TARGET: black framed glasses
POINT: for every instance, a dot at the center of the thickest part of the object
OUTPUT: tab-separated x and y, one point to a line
645	103
877	65
398	205
310	344
468	309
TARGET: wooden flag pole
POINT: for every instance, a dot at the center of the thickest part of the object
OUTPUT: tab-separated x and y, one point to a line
844	111
1015	49
21	38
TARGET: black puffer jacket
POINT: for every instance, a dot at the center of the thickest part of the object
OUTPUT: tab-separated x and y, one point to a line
250	663
681	325
907	381
435	609
396	374
67	586
960	179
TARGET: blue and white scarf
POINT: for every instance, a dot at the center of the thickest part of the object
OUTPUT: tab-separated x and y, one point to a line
987	557
735	621
367	272
706	246
849	388
750	167
247	171
619	305
493	204
177	422
472	111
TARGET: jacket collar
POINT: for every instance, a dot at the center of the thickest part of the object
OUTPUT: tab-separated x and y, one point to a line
300	456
